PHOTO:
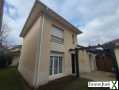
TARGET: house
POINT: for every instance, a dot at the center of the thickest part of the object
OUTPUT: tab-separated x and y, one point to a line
15	51
108	61
47	38
95	58
114	46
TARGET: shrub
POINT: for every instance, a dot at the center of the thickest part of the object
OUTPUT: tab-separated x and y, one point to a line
5	57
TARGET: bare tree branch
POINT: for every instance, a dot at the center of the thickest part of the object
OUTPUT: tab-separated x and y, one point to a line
4	34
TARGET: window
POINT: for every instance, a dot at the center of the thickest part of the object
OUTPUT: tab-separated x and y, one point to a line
57	35
73	38
55	65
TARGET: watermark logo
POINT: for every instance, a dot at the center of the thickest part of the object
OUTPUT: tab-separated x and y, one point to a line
113	85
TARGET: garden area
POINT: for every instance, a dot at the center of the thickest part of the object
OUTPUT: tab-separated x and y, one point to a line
10	79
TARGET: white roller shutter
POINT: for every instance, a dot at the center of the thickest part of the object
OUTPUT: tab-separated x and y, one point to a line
57	32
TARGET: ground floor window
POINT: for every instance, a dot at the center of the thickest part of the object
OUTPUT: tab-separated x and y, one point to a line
56	64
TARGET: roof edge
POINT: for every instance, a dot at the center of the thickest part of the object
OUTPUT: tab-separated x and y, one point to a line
48	10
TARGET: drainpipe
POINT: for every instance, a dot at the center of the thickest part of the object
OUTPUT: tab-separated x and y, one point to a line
77	63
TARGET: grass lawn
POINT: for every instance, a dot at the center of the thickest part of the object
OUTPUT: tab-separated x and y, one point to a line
11	80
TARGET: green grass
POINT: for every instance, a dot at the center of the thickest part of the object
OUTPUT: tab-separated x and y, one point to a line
10	80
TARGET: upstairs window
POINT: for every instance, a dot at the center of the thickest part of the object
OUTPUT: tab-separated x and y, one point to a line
74	41
57	35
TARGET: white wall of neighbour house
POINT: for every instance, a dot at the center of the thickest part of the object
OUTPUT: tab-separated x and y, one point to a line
15	61
86	63
117	55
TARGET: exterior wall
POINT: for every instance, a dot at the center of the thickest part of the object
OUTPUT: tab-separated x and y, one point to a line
29	52
43	65
117	55
86	64
15	61
68	44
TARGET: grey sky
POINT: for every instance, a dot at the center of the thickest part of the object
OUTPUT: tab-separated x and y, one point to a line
98	19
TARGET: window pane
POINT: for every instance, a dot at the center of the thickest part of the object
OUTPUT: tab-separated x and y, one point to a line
60	64
51	65
55	65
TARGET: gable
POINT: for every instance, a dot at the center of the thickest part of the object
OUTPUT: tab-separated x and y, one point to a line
38	9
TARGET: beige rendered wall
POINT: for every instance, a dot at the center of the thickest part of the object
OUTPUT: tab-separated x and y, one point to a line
117	55
29	52
68	44
46	48
44	53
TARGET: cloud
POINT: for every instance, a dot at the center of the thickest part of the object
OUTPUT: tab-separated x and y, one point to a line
98	19
15	15
100	30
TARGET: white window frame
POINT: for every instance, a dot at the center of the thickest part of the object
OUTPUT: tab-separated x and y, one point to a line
58	75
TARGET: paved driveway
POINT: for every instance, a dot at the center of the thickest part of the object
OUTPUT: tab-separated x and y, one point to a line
99	76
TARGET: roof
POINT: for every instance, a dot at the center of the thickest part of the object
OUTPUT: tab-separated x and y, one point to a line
35	13
113	43
16	48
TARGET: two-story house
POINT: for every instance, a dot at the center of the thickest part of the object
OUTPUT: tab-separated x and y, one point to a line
47	38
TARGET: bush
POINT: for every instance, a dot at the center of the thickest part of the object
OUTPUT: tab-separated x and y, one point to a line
5	57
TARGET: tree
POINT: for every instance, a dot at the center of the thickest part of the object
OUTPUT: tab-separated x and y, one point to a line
5	57
4	34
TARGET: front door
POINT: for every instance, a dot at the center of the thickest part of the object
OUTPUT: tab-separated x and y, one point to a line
73	60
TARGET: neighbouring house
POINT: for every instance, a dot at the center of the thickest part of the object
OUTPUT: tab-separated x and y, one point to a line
116	50
106	59
95	58
87	61
47	39
15	52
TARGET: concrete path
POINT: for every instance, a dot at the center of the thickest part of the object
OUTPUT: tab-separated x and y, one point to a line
99	76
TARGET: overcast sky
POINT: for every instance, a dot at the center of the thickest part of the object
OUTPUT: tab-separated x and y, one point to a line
97	19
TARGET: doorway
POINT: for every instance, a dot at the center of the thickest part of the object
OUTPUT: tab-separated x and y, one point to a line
73	60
